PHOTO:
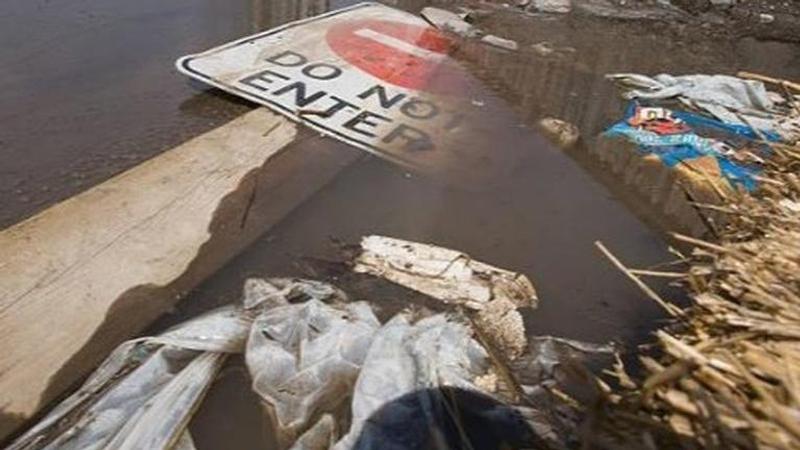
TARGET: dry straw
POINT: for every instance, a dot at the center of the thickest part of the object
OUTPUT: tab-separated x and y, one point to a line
726	372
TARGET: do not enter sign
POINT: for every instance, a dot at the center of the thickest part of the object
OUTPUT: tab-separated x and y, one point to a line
409	56
370	75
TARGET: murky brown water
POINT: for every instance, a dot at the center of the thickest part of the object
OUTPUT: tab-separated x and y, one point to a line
88	90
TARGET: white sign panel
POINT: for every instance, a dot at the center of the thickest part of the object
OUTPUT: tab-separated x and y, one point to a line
370	75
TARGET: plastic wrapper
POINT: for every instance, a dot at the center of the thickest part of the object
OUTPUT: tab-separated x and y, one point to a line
408	358
304	358
144	393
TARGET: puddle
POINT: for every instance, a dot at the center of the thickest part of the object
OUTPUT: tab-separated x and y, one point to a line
96	94
542	218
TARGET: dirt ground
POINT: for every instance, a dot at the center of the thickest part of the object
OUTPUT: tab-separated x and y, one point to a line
762	19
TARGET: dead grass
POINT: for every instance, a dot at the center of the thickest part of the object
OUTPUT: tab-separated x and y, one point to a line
726	373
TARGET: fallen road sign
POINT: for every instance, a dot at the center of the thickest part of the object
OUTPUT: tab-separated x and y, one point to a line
375	77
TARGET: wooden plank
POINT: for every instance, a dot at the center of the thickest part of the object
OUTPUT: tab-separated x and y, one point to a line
89	272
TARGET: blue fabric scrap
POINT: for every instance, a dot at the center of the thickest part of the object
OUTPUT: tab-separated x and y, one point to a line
674	148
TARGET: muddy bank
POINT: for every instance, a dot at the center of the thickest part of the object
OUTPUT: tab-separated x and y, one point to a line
760	19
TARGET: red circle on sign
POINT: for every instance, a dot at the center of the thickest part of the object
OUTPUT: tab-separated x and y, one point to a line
409	56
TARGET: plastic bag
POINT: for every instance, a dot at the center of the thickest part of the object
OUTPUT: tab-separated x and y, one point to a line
143	394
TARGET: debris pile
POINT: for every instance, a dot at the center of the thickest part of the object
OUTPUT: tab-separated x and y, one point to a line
451	22
696	140
330	375
455	278
727	374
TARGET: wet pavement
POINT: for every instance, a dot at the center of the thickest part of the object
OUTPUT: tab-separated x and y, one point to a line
89	90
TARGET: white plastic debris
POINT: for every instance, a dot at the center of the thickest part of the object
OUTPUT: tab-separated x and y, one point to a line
448	275
304	358
546	49
330	375
553	6
726	97
408	358
562	133
144	393
448	21
499	42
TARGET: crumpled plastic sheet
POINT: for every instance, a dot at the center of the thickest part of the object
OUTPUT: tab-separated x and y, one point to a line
405	358
304	358
144	393
730	99
309	360
325	368
555	362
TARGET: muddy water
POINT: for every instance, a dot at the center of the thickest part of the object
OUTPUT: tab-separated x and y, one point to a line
541	219
88	90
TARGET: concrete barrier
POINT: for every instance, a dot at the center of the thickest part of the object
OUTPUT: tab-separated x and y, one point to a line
87	273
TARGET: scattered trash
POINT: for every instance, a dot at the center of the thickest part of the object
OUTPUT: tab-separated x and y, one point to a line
657	120
499	42
732	100
330	376
711	159
552	6
304	355
677	160
734	349
622	11
766	18
448	275
546	49
705	155
455	278
405	358
560	132
448	21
